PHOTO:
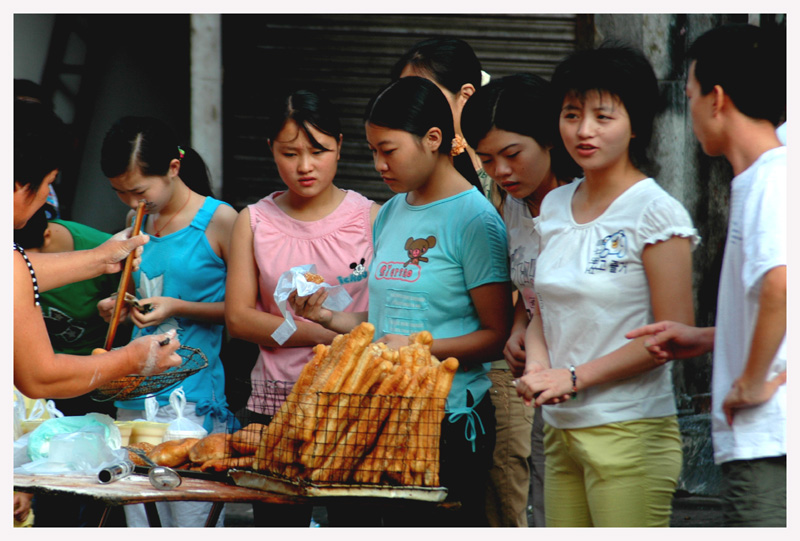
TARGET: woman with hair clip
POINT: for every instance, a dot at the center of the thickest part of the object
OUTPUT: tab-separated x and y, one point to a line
512	127
312	221
615	254
451	64
459	265
182	276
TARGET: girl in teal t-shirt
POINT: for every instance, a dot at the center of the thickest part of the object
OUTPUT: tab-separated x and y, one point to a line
440	265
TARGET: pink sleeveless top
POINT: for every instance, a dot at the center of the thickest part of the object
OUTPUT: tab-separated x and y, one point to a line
340	245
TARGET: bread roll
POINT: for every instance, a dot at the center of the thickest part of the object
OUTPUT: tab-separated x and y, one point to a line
172	453
143	446
211	447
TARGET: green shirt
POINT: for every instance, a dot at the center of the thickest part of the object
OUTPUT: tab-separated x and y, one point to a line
70	312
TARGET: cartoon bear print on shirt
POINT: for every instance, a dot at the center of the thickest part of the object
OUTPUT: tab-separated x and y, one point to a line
417	248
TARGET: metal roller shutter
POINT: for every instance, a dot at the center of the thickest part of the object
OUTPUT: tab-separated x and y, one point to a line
349	56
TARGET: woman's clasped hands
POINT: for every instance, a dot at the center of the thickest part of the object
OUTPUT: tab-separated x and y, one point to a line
544	386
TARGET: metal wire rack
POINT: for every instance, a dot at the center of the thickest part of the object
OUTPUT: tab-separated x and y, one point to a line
356	439
136	386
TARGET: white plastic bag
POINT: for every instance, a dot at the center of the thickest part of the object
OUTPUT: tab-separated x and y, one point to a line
39	409
182	427
150	408
294	278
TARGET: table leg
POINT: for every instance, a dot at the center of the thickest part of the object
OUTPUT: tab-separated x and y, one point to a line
152	514
213	515
104	517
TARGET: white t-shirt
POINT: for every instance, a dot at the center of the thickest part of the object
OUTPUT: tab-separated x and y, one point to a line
592	289
756	243
523	248
781	133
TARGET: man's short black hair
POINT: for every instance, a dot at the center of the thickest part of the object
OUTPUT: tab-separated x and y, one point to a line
749	63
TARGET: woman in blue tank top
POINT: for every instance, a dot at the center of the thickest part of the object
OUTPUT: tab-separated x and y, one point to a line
183	269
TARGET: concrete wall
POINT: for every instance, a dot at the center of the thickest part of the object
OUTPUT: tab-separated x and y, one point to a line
31	39
145	72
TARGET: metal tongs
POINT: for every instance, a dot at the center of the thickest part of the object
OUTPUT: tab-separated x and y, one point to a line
161	477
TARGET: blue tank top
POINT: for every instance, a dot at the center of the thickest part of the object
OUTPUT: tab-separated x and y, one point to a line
184	266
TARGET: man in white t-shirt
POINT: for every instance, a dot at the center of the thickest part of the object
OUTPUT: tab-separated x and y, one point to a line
736	91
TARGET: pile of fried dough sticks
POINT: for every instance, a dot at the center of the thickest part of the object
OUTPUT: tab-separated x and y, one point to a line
362	413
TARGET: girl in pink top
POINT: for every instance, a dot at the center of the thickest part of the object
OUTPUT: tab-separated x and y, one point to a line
312	221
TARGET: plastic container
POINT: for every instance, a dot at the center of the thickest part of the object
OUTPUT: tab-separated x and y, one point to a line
181	434
146	431
125	430
30	426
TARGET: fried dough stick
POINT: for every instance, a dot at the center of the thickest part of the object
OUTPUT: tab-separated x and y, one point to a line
398	428
354	348
265	458
343	411
433	420
389	395
350	447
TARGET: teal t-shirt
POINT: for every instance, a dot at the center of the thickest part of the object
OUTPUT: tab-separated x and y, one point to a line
427	258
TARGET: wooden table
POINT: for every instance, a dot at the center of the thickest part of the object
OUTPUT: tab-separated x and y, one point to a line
137	489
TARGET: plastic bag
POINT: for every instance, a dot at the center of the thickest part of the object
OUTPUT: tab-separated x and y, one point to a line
28	409
81	444
150	408
294	278
182	427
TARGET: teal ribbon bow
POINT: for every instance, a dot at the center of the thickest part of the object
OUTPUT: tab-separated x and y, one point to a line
220	411
470	432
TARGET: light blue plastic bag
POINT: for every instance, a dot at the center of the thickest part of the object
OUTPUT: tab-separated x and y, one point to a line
80	444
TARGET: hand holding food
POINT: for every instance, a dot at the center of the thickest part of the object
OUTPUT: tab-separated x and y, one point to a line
310	307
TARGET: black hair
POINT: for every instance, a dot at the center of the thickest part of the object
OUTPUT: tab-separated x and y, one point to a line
520	103
194	172
306	108
623	72
41	143
151	145
451	62
32	235
749	63
414	105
